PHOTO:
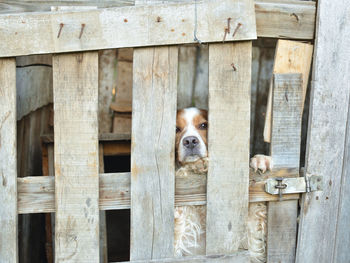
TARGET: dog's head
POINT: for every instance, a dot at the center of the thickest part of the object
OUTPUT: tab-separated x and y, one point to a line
191	135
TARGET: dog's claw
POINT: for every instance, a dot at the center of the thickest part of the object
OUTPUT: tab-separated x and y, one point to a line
261	162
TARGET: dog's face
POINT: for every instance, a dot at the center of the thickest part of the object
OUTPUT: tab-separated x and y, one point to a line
191	135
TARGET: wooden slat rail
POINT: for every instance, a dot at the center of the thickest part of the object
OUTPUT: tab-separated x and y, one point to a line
285	151
290	57
110	28
75	83
228	145
152	152
37	194
8	161
324	216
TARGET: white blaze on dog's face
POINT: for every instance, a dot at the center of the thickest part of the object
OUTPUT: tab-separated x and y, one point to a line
191	135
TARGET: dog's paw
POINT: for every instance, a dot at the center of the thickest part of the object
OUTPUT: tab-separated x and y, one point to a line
261	162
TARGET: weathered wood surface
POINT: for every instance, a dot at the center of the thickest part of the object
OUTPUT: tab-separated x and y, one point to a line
34	87
110	28
274	18
285	152
328	122
103	137
103	223
285	19
342	253
152	152
290	57
229	118
106	84
8	161
187	73
239	257
76	157
36	194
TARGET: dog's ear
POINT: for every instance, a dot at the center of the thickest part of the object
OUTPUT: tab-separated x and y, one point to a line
204	113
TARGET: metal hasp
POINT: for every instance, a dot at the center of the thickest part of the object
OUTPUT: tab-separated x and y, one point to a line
281	186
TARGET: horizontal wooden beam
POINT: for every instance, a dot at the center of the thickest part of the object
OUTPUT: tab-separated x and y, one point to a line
241	256
133	26
285	19
36	193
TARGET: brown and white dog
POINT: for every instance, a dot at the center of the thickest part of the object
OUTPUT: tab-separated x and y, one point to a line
192	157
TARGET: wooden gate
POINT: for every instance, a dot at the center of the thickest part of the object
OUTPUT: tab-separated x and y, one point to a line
78	192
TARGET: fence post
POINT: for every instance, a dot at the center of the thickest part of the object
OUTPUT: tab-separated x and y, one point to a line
75	84
229	118
152	152
287	111
8	161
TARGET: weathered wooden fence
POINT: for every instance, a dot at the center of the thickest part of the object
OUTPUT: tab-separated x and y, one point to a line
78	191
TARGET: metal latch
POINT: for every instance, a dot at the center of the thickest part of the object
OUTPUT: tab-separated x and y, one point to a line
283	185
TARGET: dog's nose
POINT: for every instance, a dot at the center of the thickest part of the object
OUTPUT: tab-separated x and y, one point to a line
190	142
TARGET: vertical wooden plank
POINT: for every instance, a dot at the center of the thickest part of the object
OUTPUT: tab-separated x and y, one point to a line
75	83
342	253
8	161
319	237
287	105
290	57
103	224
107	83
187	72
229	118
152	155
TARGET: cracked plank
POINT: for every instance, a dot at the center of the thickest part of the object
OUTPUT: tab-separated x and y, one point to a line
152	152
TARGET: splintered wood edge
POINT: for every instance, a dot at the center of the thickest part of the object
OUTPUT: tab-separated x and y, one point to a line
36	194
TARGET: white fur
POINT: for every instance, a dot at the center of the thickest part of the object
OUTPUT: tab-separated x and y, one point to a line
191	130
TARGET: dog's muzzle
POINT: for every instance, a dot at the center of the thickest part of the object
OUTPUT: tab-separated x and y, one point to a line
192	149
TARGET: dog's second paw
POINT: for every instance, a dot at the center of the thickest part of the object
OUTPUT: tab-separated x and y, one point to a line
261	162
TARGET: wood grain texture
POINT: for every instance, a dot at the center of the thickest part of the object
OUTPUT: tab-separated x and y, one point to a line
228	146
37	194
152	152
103	223
326	144
187	73
290	57
34	88
8	161
285	152
285	19
110	28
342	253
75	83
107	76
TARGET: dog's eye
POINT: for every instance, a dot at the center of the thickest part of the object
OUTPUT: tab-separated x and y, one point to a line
178	129
203	126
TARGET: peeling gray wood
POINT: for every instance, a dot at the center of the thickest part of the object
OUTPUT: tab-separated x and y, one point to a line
229	118
152	155
8	162
322	214
106	84
34	88
37	33
285	19
36	194
75	83
187	73
285	151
